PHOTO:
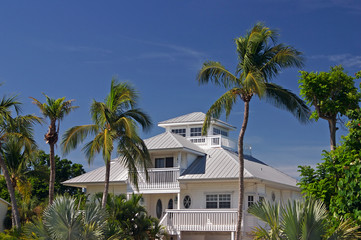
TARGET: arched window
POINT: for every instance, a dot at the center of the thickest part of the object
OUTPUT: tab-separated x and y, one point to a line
159	208
170	204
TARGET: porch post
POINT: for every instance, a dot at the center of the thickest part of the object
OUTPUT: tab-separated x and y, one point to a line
232	235
179	200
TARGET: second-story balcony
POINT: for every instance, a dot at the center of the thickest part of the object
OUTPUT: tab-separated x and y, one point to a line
213	141
159	179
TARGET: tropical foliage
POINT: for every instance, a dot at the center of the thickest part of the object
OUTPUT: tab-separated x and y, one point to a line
299	219
114	121
336	180
331	93
261	59
55	110
19	128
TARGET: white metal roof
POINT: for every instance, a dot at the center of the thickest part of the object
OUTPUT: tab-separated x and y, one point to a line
195	117
169	141
2	200
223	164
118	173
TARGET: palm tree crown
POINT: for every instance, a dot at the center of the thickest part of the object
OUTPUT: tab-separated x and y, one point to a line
260	59
114	120
55	110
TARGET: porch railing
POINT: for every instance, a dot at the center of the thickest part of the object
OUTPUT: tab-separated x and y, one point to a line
200	220
164	178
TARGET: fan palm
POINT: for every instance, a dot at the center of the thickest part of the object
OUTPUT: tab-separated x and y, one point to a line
20	128
114	120
260	59
64	220
55	110
299	220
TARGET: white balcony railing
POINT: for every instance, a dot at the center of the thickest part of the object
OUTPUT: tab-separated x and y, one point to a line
164	178
213	141
200	220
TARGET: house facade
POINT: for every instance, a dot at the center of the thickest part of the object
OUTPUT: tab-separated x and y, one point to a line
3	210
193	184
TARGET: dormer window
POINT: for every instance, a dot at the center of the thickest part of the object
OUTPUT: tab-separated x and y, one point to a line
196	132
180	131
166	162
217	131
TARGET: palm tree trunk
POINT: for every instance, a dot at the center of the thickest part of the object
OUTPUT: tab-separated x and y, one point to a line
332	127
241	169
52	174
106	186
14	206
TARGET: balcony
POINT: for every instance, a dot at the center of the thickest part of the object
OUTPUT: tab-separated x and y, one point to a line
200	220
213	141
164	179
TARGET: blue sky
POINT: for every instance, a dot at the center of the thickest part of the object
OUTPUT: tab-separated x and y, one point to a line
74	48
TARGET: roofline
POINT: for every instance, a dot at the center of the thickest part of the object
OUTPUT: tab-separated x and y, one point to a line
215	122
178	148
77	184
5	201
234	179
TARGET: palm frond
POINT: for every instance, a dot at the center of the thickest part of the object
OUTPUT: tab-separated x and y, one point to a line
284	99
218	74
224	103
73	136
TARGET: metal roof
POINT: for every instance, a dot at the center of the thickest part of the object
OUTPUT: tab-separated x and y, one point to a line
194	117
118	173
170	141
2	200
223	164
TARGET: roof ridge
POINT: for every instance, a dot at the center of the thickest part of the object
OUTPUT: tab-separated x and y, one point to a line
229	154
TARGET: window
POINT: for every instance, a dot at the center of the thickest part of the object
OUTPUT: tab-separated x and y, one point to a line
196	132
218	201
217	131
187	201
180	131
164	162
250	201
170	204
158	208
260	199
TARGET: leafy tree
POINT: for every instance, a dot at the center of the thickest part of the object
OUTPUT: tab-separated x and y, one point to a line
260	59
299	220
332	94
114	120
21	128
55	110
336	181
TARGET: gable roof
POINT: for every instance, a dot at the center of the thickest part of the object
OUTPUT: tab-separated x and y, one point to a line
118	173
2	200
220	163
195	117
168	140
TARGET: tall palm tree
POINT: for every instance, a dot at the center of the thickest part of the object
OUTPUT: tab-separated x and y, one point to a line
114	120
55	110
21	128
260	59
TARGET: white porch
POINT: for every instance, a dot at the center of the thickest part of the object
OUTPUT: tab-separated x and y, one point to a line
159	179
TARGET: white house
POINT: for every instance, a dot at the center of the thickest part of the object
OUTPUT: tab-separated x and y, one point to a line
193	185
3	210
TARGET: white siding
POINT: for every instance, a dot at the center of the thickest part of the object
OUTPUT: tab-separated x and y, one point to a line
3	210
114	189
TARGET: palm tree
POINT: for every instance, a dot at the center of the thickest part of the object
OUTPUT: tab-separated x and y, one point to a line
64	220
20	128
114	120
55	110
260	59
300	220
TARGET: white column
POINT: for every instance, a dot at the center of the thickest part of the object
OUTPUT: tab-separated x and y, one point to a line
179	200
232	235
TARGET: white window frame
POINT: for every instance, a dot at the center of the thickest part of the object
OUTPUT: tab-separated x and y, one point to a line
197	132
218	194
180	131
